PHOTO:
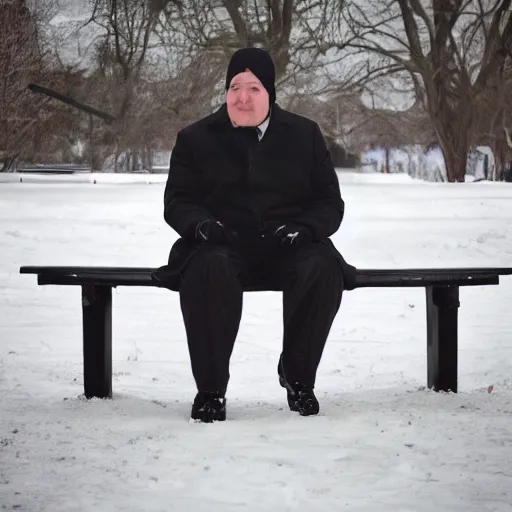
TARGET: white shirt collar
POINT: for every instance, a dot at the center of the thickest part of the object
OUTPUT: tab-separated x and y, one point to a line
263	127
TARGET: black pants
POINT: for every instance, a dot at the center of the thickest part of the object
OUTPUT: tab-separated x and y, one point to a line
211	302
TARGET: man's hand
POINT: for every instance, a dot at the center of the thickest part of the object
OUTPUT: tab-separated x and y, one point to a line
293	235
211	232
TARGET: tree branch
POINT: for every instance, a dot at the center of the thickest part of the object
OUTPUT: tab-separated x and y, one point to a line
411	29
231	7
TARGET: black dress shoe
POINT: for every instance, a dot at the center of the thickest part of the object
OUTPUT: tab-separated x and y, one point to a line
208	407
301	398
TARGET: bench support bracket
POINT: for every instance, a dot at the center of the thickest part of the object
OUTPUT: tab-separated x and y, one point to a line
97	340
442	311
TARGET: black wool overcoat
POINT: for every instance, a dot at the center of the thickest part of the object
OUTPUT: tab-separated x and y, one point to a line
252	189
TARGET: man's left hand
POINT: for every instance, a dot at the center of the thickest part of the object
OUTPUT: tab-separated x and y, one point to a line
293	235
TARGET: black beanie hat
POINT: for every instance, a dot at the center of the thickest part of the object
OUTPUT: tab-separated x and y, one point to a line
259	62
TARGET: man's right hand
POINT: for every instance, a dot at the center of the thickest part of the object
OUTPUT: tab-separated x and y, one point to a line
293	235
211	232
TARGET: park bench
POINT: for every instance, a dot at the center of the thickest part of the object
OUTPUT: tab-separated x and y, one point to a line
442	302
53	169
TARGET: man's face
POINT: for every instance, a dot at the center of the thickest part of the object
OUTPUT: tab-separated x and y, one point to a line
247	100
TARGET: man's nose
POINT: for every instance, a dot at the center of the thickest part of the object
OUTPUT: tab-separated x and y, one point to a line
243	96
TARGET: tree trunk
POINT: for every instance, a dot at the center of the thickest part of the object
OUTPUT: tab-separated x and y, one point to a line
501	158
7	163
454	142
146	156
453	128
455	160
116	158
91	145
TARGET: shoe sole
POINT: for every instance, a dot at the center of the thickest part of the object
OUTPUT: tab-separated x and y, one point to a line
204	419
207	416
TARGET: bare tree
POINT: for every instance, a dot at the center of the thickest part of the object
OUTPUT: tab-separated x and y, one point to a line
452	50
494	123
21	61
307	39
121	52
160	64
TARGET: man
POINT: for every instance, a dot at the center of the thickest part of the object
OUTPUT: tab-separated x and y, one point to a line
253	194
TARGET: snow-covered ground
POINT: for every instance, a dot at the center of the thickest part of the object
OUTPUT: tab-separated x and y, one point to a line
382	442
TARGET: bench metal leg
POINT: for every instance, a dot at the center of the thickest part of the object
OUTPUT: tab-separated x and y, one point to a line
442	311
97	331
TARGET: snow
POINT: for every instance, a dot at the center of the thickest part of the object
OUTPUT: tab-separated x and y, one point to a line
381	442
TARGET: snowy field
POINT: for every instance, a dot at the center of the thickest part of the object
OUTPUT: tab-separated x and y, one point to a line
382	442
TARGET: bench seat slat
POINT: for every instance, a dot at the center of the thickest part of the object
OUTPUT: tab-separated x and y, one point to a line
119	276
104	279
370	272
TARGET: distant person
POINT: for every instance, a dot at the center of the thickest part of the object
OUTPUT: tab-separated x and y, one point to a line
254	196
